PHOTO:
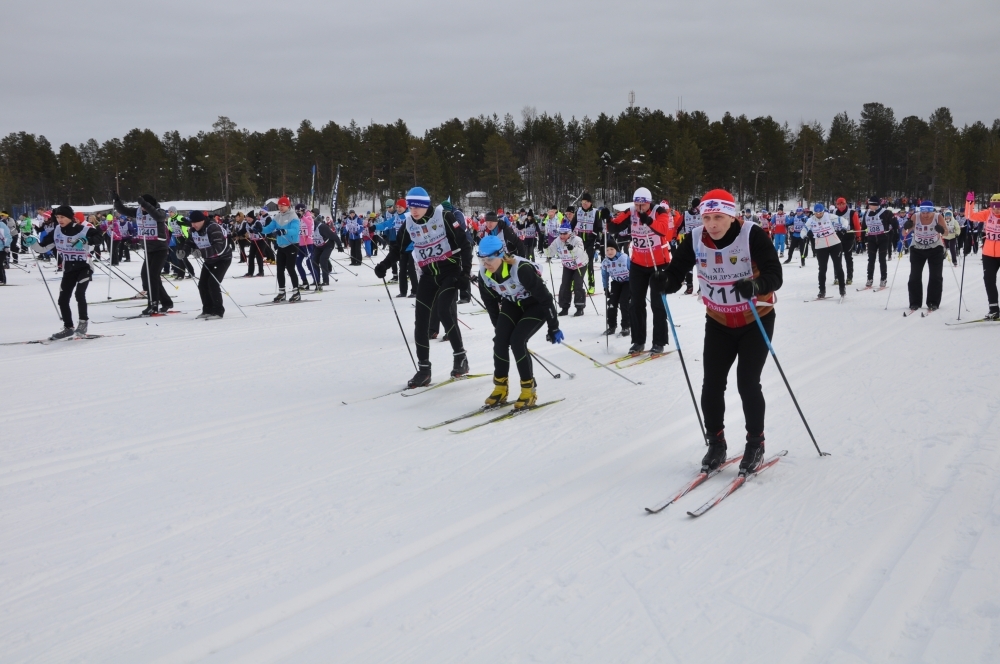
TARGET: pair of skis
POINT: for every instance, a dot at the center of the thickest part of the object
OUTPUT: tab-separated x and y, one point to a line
408	392
727	491
923	313
271	304
46	342
510	414
873	289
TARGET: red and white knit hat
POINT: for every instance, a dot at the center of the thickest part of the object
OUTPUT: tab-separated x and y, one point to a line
718	200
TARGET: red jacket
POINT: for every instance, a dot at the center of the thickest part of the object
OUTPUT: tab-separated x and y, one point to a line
663	226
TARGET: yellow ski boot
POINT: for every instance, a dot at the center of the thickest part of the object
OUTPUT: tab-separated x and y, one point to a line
499	395
528	396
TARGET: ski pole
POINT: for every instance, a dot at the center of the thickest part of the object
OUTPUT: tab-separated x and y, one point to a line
205	269
543	362
114	272
551	280
603	366
582	275
687	378
42	274
957	284
961	286
407	341
345	267
767	340
112	255
899	259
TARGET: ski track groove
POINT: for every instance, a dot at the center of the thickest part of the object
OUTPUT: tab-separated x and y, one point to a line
246	628
885	555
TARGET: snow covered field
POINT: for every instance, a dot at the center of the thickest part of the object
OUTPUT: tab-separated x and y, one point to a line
195	490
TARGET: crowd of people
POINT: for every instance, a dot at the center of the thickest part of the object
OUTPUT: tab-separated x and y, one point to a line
644	250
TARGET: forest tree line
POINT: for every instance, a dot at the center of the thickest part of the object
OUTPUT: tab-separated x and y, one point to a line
540	160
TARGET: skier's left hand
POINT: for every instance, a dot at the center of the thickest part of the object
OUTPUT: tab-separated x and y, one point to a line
555	336
748	287
196	254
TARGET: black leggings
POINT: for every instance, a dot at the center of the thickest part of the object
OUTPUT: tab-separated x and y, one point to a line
323	260
407	272
619	297
722	346
514	327
877	245
255	253
832	253
640	279
803	249
847	247
209	288
935	278
438	292
286	263
990	267
79	278
154	262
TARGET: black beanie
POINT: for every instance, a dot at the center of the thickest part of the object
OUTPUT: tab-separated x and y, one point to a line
491	216
695	202
586	197
571	208
874	200
63	211
197	215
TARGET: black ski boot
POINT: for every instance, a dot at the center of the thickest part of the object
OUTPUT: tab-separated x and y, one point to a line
64	333
753	454
994	314
461	365
564	311
422	378
656	349
636	348
716	454
150	310
280	297
579	311
296	296
609	331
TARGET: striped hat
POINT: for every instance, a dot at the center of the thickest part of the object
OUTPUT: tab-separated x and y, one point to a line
418	198
718	200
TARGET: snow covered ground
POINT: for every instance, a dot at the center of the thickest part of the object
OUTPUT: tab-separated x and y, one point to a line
196	491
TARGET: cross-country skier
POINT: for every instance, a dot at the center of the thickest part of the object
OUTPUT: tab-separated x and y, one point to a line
588	224
877	223
73	241
824	227
651	232
255	237
614	275
286	227
692	220
441	250
519	304
927	229
780	230
207	242
570	251
494	227
151	225
798	238
990	220
736	262
324	239
851	233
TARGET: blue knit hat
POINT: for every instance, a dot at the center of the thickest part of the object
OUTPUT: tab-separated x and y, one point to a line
565	227
926	206
418	198
491	246
819	207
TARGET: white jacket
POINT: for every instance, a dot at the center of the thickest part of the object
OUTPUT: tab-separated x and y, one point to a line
571	253
824	229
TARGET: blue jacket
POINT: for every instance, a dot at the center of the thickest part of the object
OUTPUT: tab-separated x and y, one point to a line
388	227
5	238
286	225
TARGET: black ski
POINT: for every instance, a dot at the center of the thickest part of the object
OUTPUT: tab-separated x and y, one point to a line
45	342
156	315
270	304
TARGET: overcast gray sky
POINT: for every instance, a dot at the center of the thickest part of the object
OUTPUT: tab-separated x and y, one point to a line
78	70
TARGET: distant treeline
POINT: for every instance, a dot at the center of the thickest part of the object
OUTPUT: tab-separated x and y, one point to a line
540	160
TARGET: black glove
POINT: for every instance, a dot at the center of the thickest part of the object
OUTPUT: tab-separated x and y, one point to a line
196	253
645	218
748	287
380	270
661	210
666	283
280	231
